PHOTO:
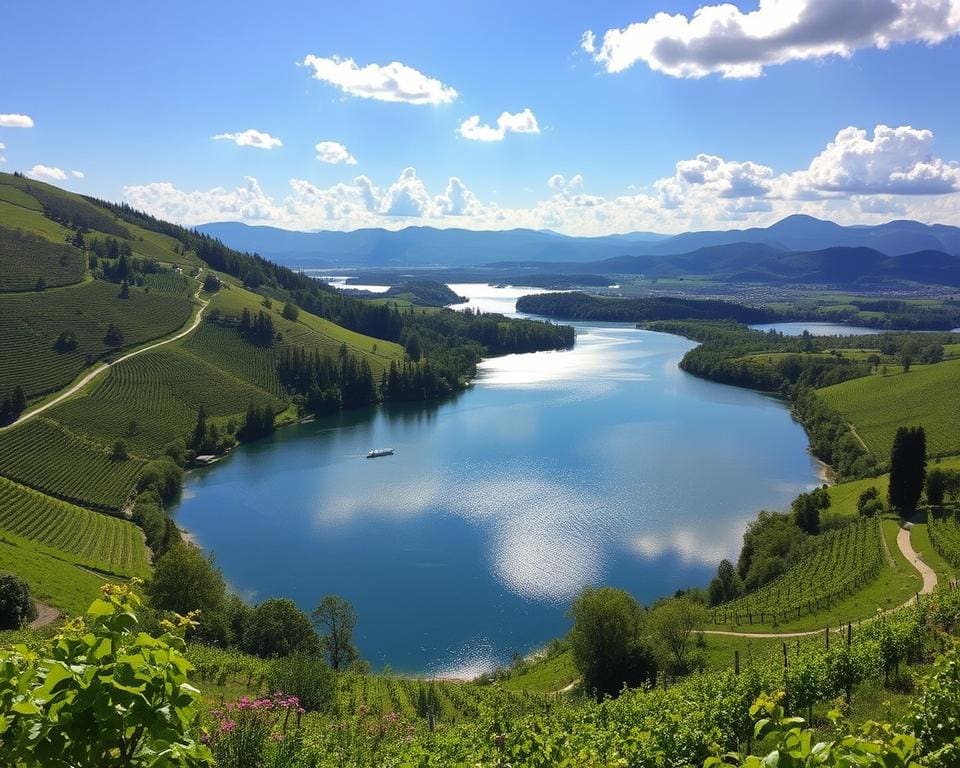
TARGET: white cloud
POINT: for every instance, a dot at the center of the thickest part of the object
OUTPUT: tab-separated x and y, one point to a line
558	182
2	147
246	203
251	138
521	122
857	178
78	174
334	153
723	39
47	172
389	82
16	121
407	196
896	161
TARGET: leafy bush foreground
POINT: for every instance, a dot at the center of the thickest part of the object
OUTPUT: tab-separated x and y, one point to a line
103	692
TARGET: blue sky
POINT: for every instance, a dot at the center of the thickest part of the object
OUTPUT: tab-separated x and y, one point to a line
131	96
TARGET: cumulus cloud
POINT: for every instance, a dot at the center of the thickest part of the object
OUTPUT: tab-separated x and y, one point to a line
897	161
244	203
16	121
389	82
47	172
78	174
521	122
334	153
858	177
251	138
723	39
558	182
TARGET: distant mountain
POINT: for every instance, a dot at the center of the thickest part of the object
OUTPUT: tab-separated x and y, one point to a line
733	249
805	233
421	246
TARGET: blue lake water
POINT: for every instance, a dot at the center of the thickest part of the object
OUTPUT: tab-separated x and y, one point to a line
817	329
601	465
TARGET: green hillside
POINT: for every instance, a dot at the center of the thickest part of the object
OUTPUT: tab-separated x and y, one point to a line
926	396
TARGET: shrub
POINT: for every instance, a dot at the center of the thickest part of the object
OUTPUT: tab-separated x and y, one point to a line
16	607
276	628
102	693
290	311
309	678
211	283
163	476
252	733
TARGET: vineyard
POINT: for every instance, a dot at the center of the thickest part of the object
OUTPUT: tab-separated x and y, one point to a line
945	537
877	405
26	258
152	399
169	282
30	324
844	561
87	538
223	347
42	455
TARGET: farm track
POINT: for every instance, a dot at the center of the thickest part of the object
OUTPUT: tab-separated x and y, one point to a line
107	366
905	546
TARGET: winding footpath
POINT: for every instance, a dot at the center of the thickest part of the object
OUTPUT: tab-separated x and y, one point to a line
905	546
107	366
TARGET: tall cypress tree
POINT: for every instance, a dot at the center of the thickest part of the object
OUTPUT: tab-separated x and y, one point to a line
908	468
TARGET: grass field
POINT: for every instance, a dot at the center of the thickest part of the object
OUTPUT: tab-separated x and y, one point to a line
926	396
52	580
30	324
15	216
308	331
87	538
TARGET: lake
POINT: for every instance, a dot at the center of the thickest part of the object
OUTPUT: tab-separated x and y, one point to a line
605	464
817	329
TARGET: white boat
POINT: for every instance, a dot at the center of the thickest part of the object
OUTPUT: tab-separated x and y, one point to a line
378	452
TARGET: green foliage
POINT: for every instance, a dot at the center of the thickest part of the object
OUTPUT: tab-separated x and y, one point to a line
25	258
935	713
807	508
938	482
869	503
290	311
945	536
607	641
211	283
186	580
161	476
101	693
16	607
671	624
309	678
789	745
908	468
277	627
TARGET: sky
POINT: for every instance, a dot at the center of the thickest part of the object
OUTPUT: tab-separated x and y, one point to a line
585	118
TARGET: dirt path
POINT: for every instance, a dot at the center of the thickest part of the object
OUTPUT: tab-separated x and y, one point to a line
905	546
106	366
913	557
46	614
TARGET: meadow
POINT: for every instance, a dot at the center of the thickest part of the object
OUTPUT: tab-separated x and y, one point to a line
26	259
